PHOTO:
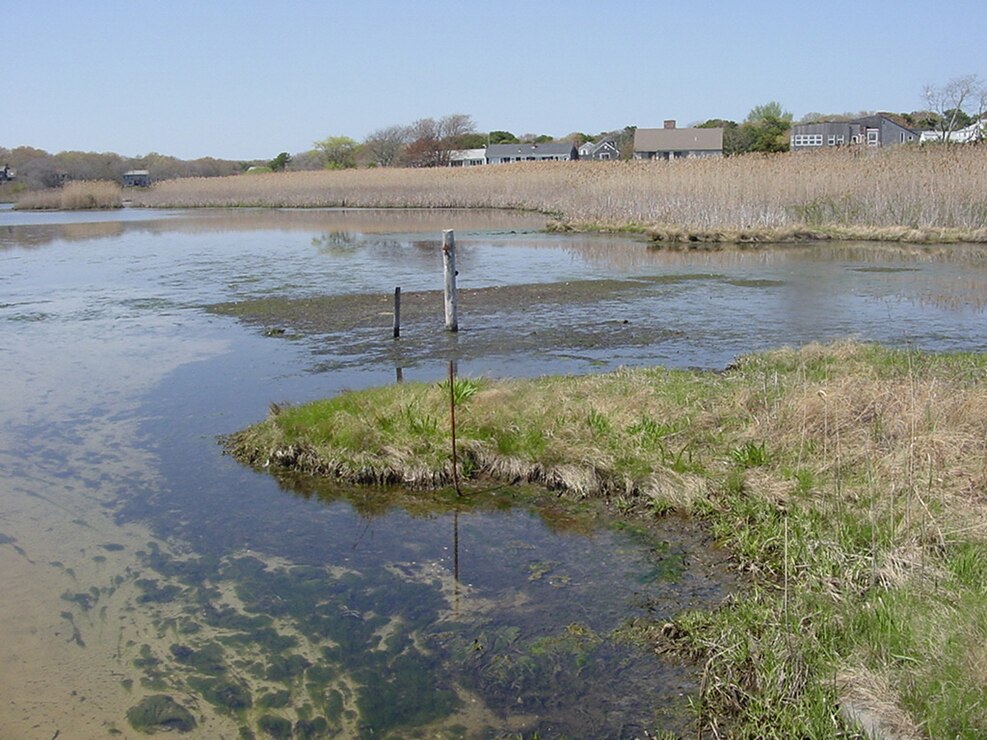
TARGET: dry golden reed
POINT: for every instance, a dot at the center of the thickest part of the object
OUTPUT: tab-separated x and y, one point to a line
905	194
73	196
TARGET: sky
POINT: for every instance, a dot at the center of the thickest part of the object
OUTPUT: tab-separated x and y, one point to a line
248	79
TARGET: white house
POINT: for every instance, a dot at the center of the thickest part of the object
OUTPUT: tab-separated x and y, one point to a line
976	131
467	157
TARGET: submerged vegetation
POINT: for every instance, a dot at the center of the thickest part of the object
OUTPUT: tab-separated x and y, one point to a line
343	647
902	194
848	481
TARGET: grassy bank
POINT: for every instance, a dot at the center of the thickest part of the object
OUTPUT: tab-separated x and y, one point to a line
849	482
904	194
72	196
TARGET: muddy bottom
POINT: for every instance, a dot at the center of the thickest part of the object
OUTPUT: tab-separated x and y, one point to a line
572	316
397	615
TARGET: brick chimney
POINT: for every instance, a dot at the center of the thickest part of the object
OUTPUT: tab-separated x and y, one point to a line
670	123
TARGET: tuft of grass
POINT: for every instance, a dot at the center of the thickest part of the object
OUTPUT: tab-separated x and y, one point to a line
848	482
750	455
463	389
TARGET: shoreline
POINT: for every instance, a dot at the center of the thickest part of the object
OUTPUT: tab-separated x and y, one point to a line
839	477
903	194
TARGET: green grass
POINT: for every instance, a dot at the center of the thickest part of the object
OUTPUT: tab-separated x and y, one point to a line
849	483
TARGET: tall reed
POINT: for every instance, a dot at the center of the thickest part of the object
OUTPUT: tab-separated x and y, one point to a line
918	190
73	196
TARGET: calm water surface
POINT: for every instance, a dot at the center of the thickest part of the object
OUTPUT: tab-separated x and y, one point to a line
138	561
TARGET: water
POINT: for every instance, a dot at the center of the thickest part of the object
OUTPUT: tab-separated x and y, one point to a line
137	560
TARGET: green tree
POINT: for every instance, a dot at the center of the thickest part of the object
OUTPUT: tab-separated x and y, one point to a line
735	139
765	129
502	137
469	141
280	162
338	152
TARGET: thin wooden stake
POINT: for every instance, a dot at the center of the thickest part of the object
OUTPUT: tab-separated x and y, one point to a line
449	268
452	424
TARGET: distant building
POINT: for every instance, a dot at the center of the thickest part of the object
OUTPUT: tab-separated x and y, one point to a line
872	131
670	142
137	179
467	157
504	153
976	131
7	174
604	149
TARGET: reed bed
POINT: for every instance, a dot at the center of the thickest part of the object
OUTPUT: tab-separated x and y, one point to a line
848	481
904	194
73	196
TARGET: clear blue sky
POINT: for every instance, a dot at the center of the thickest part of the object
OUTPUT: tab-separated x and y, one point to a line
251	78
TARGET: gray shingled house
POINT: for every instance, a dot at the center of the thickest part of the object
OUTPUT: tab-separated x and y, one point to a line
670	142
604	149
503	153
875	131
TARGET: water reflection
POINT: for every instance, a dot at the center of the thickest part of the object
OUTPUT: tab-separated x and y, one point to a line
33	229
137	562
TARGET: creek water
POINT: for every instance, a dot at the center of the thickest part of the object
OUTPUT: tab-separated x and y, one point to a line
137	561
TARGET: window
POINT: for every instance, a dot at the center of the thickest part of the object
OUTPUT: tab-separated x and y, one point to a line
831	141
872	137
807	140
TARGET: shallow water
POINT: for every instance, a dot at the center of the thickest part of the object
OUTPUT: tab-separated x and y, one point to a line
137	560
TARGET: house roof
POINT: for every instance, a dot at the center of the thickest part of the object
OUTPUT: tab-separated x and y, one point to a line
876	119
678	139
458	154
526	150
865	122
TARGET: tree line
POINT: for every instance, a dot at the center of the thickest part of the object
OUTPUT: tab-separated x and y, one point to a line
37	168
428	142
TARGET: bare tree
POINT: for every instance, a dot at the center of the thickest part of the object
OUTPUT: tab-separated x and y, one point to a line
952	101
430	141
385	145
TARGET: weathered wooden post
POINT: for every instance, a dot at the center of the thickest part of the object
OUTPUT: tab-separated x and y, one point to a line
397	312
449	265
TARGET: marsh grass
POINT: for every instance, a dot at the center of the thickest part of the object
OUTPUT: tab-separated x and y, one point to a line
72	196
848	481
929	194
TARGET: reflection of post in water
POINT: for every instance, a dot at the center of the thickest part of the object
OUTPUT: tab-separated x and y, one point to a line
455	558
397	313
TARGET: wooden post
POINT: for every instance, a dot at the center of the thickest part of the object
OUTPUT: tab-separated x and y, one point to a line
452	425
397	312
449	266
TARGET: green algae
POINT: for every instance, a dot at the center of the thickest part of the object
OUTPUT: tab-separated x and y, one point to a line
316	650
160	712
274	726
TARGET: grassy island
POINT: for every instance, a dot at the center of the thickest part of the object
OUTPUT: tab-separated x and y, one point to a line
848	481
